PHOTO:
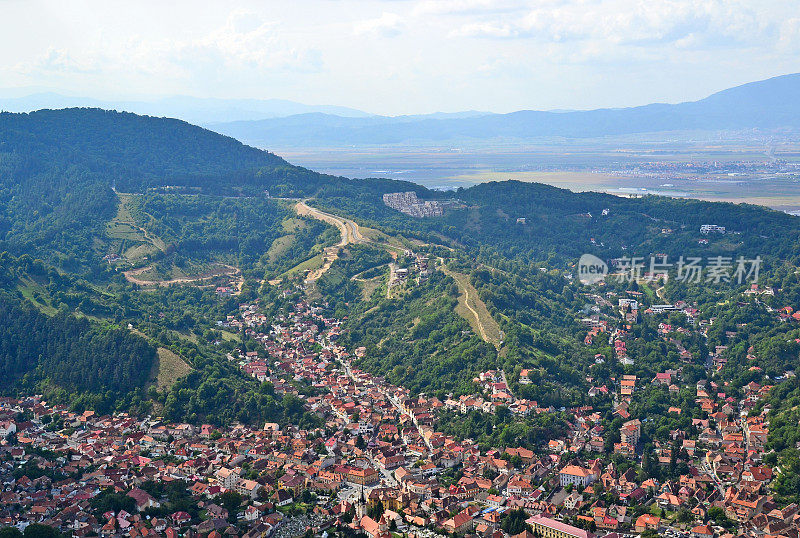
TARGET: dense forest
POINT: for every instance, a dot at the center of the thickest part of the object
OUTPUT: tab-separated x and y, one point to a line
68	354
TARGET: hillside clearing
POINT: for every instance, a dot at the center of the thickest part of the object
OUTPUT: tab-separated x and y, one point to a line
473	309
169	367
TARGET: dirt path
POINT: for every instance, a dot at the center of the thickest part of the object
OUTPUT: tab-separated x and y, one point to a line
131	277
124	216
478	316
392	277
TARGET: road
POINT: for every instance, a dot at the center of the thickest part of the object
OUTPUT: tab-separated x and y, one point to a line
347	228
393	401
709	468
508	387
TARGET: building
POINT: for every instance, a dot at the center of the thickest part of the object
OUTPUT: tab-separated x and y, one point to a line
630	432
578	476
365	477
711	228
227	478
661	308
248	488
7	428
408	203
647	522
550	528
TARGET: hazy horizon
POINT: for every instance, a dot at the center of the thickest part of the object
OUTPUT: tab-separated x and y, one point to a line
400	57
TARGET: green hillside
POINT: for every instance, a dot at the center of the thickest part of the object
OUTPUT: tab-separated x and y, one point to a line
193	201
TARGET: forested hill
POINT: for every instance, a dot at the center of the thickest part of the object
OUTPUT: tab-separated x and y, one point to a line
57	169
123	143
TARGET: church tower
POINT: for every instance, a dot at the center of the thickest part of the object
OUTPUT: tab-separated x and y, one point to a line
361	507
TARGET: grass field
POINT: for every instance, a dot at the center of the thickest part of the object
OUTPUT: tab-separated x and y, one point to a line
169	368
33	292
132	242
279	247
310	264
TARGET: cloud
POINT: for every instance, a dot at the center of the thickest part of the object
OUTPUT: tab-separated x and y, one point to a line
486	29
245	45
466	7
789	39
60	61
387	25
245	41
622	22
522	53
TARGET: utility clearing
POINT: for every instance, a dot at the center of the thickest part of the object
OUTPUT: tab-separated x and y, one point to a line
470	306
473	309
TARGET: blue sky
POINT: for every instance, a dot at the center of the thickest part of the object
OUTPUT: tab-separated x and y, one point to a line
399	56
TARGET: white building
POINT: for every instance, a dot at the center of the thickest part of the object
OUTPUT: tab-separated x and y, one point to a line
579	476
712	228
7	428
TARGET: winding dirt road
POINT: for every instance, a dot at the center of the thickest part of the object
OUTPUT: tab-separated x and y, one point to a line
131	277
347	228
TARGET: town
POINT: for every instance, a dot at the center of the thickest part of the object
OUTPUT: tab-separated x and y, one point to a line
379	467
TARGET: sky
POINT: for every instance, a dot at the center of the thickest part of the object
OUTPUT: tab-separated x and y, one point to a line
399	56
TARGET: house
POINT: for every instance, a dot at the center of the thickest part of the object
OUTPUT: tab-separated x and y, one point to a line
573	500
495	501
647	522
519	486
282	497
180	518
7	427
143	499
252	513
460	523
702	531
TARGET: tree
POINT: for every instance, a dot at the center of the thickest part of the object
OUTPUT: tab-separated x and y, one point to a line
231	501
717	515
514	522
37	530
376	511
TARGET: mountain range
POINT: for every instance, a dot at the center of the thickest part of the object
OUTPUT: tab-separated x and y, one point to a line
765	105
191	109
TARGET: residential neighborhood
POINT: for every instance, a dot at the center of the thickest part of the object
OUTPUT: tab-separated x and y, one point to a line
379	466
